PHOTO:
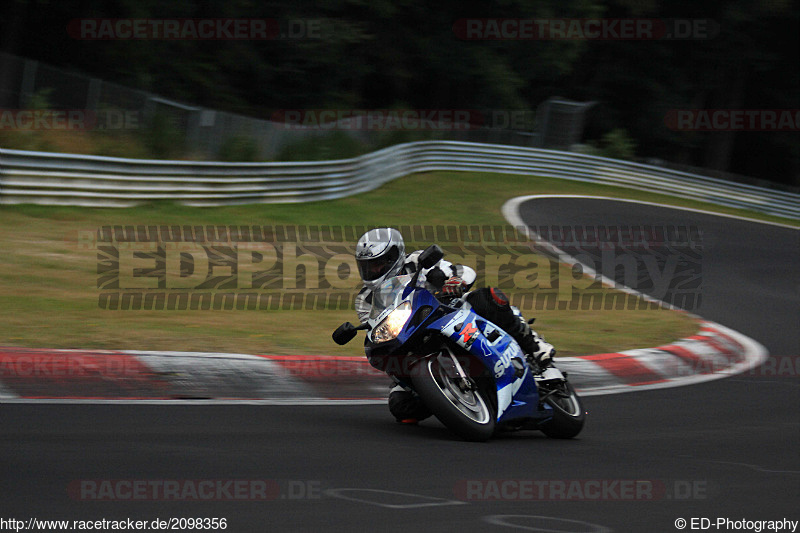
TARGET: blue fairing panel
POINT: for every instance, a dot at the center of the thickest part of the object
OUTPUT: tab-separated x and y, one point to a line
516	396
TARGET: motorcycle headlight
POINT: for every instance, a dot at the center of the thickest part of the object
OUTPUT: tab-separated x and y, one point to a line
390	327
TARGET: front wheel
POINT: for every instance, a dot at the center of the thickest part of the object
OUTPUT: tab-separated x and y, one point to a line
458	404
568	414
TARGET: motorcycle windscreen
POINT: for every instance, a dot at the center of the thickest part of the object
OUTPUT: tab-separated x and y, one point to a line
388	294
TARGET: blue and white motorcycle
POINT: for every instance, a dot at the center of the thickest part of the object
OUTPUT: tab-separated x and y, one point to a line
471	374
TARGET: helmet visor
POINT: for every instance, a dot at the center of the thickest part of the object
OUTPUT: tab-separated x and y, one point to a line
373	268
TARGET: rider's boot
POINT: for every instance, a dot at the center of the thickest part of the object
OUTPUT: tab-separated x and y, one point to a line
406	406
543	354
538	352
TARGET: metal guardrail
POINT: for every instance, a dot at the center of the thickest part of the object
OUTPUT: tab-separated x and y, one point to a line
65	179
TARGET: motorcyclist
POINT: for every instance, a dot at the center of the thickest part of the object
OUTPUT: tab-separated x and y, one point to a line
380	255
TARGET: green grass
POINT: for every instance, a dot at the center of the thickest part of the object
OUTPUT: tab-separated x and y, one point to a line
48	284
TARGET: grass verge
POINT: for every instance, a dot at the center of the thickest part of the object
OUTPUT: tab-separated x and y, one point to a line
48	283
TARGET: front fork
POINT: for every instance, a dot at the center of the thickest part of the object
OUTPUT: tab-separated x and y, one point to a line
454	370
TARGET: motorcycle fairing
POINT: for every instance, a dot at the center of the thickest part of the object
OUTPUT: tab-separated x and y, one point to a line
517	395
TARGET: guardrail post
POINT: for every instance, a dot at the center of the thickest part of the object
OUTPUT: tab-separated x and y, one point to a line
27	88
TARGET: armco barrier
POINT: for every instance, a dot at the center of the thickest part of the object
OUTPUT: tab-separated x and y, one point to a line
64	179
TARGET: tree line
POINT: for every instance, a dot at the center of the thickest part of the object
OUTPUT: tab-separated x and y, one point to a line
381	54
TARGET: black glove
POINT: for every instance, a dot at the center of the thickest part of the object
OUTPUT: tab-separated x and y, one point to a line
436	277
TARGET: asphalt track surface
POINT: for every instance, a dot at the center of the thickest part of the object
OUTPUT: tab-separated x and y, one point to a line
726	448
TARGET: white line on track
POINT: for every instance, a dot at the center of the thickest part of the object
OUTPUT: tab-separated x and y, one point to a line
543	524
514	203
755	352
758	468
423	501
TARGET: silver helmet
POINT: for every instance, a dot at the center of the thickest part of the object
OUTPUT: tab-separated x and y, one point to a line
380	254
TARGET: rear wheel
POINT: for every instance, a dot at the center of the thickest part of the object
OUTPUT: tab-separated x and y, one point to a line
458	403
568	414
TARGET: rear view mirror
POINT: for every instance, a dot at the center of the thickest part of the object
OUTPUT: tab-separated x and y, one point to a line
430	256
345	333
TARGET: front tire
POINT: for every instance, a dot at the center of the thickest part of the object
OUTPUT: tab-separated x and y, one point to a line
568	413
468	413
